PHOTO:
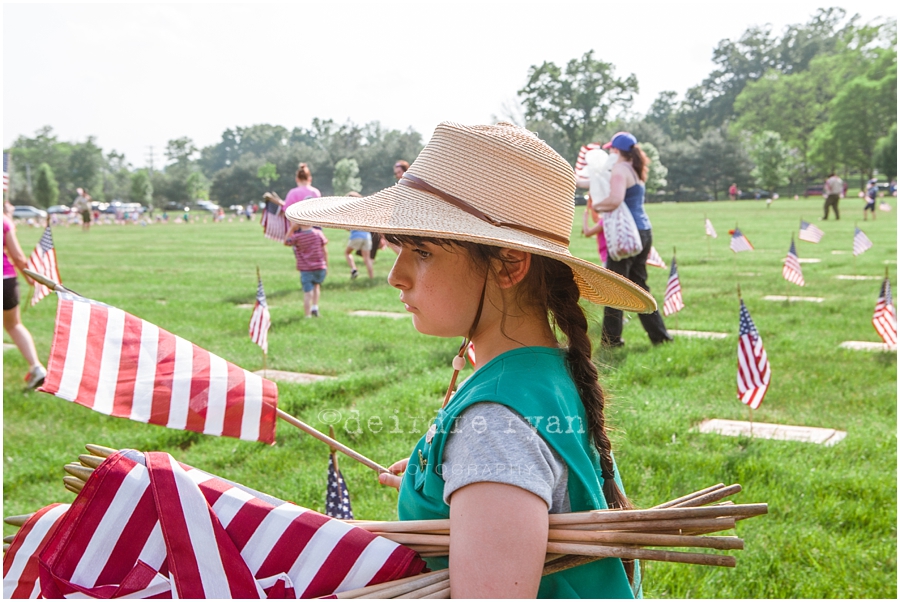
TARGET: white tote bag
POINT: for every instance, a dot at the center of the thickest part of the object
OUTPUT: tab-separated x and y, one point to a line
622	237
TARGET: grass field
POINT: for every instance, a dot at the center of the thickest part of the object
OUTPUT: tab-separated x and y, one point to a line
831	530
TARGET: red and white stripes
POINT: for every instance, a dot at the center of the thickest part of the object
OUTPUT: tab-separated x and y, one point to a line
20	563
117	364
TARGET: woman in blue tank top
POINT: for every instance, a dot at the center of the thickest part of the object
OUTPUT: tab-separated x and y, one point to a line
627	186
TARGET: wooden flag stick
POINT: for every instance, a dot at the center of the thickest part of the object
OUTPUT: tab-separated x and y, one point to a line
334	459
335	444
51	284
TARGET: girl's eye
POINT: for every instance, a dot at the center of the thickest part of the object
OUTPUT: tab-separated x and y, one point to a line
422	253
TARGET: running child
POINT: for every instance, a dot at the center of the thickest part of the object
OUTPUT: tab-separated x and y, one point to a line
312	263
360	241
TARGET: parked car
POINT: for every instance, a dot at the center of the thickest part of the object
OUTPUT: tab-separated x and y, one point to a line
205	205
580	199
27	211
238	209
59	209
756	194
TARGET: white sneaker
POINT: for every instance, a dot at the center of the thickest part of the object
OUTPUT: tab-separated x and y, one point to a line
35	377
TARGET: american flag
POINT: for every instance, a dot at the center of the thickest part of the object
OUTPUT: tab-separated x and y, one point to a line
739	242
861	242
885	319
710	231
43	261
5	172
470	353
810	233
654	260
884	206
581	163
791	270
673	302
110	361
275	224
337	498
20	563
753	373
260	321
147	526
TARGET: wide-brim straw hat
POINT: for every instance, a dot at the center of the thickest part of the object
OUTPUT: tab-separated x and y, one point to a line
496	185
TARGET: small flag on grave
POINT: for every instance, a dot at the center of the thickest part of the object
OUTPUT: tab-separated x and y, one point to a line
885	318
861	242
673	302
654	259
791	270
260	321
337	498
810	233
710	231
754	373
43	261
119	365
739	242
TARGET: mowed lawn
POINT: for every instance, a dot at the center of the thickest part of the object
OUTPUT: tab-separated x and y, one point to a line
831	528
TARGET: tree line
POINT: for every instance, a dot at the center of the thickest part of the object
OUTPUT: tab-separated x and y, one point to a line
777	112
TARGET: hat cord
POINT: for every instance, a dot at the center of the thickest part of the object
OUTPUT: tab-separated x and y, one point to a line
458	360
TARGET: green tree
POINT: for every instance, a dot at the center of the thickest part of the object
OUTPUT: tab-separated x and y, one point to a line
772	159
86	166
346	177
141	188
267	172
46	190
577	101
656	175
886	154
721	159
180	151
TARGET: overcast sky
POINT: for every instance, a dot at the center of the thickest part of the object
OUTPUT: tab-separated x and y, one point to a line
138	75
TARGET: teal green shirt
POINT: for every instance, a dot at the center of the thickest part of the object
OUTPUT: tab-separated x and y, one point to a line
535	382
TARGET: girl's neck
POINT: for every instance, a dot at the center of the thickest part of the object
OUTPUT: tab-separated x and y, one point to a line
517	332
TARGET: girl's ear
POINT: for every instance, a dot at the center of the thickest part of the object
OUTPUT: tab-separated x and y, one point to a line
514	267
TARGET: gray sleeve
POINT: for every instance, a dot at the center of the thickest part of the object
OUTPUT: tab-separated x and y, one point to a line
492	443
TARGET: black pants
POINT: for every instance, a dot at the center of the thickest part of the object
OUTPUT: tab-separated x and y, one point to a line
635	269
832	201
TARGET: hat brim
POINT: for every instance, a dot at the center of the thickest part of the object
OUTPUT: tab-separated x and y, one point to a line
406	211
607	145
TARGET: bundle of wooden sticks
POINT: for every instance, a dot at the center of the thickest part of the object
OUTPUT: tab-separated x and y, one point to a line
574	538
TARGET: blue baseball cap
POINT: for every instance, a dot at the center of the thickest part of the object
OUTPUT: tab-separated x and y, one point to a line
622	141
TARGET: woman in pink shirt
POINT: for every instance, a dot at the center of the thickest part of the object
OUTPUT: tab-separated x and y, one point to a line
13	258
304	189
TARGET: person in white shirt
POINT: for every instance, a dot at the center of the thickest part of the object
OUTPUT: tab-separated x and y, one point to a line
834	187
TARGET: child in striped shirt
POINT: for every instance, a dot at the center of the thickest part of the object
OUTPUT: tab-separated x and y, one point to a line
312	263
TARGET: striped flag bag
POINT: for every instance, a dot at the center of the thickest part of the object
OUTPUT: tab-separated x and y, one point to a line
114	363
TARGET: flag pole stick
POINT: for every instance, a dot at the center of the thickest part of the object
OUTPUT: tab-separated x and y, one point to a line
326	439
748	407
334	460
708	237
51	284
265	368
674	254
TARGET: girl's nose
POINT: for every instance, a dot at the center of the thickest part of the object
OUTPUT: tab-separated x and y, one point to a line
397	276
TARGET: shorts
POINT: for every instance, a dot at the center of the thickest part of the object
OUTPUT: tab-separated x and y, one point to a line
86	217
10	293
360	244
311	278
870	206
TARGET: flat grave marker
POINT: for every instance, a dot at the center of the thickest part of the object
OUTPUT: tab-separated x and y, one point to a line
792	298
380	314
840	252
854	277
7	347
810	260
698	334
300	378
764	430
867	346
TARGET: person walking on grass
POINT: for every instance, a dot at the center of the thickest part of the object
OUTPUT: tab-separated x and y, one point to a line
13	258
82	205
483	256
834	187
871	195
595	230
627	186
360	241
312	262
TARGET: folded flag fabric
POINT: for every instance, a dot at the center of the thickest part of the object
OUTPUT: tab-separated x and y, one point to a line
673	301
653	259
260	321
274	223
810	233
43	261
861	242
885	318
110	361
754	373
147	526
791	270
470	353
739	242
710	231
581	178
20	563
337	497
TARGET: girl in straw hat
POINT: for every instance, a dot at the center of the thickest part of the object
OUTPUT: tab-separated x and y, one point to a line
525	434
